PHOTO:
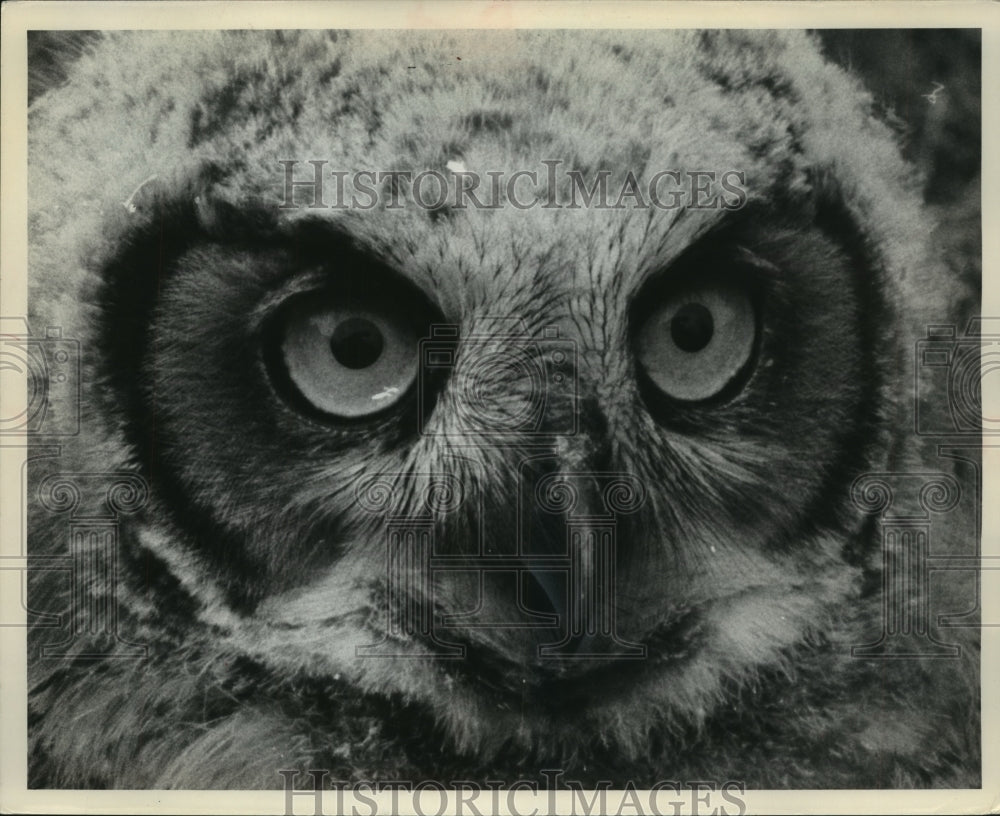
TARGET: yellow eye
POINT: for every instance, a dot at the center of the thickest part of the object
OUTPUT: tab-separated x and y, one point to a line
349	358
697	341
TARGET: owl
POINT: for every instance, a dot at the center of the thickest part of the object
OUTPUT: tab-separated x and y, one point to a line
454	405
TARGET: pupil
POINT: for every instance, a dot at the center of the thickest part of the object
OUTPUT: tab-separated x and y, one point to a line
356	343
692	327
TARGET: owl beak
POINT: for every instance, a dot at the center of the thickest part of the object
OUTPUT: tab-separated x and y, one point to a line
583	597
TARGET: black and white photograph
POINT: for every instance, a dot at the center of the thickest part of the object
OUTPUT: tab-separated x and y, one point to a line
490	417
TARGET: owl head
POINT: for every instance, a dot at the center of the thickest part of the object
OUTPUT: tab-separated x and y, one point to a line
561	466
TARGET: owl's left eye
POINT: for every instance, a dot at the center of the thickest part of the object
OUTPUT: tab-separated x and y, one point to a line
695	343
346	357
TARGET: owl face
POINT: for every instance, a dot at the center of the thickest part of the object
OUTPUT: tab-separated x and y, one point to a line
520	453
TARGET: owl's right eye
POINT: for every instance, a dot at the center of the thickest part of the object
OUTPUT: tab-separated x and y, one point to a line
344	356
696	342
